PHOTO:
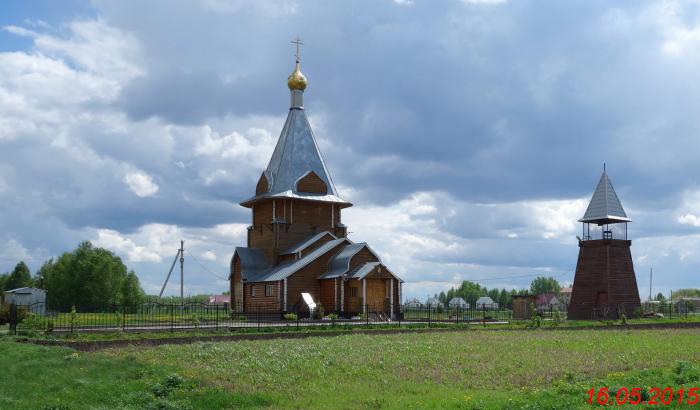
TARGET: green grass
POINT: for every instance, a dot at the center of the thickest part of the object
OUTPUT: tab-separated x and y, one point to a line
466	369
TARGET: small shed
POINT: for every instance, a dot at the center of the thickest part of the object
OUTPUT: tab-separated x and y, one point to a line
486	302
458	303
522	306
32	299
688	305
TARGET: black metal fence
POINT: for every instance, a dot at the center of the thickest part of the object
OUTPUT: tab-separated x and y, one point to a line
152	316
175	317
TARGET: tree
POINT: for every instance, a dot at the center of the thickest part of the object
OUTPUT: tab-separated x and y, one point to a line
89	278
41	274
660	297
504	299
19	277
542	285
131	293
3	280
687	293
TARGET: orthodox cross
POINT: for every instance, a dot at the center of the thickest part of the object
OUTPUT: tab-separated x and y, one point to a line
298	42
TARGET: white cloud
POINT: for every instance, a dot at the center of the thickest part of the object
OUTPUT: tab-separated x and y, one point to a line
689	219
140	184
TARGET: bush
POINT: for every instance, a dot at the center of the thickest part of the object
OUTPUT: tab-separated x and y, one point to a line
332	316
290	317
318	312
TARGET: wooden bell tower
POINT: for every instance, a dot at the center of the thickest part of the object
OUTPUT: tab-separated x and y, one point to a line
605	285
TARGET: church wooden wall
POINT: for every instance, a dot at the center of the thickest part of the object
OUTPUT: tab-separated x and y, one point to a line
327	298
306	279
312	183
260	300
308	219
362	257
236	284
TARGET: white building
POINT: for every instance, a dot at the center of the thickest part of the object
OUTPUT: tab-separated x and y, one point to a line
486	302
32	298
458	303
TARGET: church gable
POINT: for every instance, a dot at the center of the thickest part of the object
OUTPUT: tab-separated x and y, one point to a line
262	186
311	183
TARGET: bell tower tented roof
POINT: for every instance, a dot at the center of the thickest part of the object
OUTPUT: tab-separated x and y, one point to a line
605	206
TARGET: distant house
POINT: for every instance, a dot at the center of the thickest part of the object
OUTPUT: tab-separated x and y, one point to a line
687	304
458	303
412	303
548	301
486	302
34	299
434	302
565	295
220	299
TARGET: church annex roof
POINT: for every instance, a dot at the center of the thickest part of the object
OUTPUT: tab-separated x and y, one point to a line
307	242
252	261
340	263
286	269
605	206
295	155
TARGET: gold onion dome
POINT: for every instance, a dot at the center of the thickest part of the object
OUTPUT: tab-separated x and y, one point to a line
296	80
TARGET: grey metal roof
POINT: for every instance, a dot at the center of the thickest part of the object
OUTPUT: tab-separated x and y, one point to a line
296	154
24	290
298	195
605	206
340	263
485	300
286	269
307	242
456	301
253	261
363	270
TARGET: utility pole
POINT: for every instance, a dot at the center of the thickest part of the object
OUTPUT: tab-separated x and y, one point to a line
182	272
651	274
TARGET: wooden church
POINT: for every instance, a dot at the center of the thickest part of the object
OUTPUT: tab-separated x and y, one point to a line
605	285
297	242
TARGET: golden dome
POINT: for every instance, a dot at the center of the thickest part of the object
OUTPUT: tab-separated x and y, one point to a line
296	80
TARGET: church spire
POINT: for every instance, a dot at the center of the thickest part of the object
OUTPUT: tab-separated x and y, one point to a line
297	81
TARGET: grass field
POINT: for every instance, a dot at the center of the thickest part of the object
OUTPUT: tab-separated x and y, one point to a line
464	369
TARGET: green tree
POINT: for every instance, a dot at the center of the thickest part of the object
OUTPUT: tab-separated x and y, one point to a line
687	293
41	274
131	293
504	299
660	297
542	285
3	280
19	277
89	278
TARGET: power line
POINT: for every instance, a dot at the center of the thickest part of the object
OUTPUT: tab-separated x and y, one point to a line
204	267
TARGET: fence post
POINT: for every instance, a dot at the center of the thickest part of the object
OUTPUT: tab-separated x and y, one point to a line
123	318
13	319
428	314
483	308
172	319
366	315
217	316
258	318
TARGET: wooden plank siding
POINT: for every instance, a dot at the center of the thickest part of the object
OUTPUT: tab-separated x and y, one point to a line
306	278
313	184
327	297
236	284
260	300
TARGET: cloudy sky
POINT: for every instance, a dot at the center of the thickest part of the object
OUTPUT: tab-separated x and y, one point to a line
469	134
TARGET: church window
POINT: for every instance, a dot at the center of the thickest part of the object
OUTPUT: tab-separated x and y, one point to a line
353	292
252	290
269	290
